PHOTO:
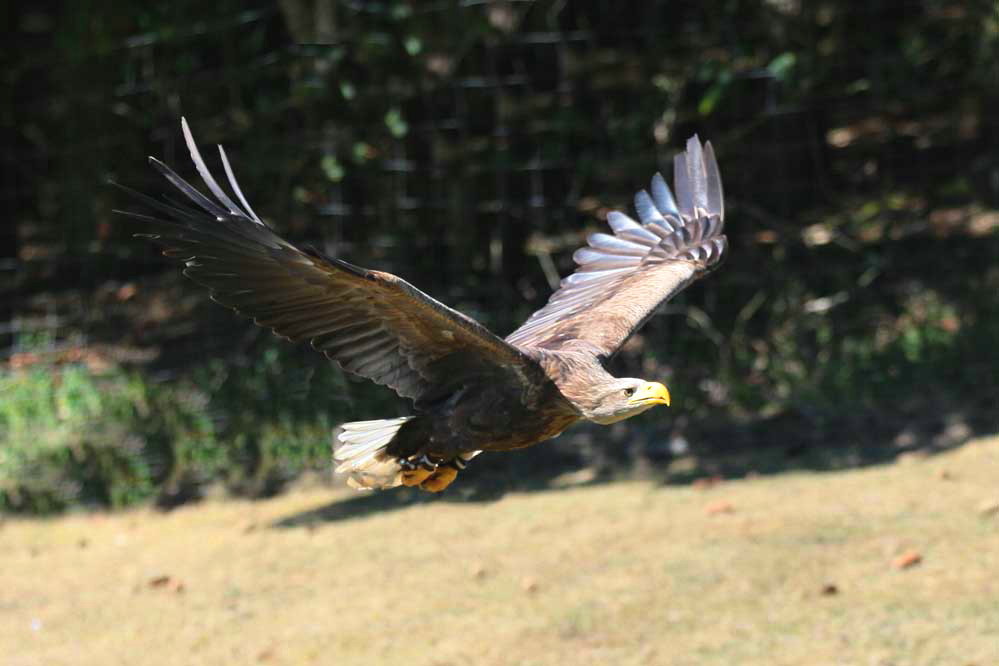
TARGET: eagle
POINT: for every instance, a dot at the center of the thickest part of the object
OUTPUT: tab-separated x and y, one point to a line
471	390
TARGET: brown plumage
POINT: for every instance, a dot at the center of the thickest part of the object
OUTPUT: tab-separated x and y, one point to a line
471	390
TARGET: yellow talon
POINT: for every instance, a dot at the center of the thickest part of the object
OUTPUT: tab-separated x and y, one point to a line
414	477
440	479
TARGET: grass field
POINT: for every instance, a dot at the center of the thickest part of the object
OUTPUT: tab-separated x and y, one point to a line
793	569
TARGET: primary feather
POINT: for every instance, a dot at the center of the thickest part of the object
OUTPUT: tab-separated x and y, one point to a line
621	279
371	323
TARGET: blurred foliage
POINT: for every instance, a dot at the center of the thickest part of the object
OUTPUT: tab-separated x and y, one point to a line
469	147
81	432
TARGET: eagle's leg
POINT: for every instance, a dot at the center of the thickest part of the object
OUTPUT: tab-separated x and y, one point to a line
433	475
416	470
445	474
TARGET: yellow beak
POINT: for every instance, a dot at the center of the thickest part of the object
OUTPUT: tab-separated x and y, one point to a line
652	393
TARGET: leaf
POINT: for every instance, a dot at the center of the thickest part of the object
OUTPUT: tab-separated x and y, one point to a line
714	94
400	11
363	151
332	168
396	124
781	66
906	560
413	45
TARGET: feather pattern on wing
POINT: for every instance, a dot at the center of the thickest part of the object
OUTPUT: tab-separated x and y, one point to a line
371	323
622	278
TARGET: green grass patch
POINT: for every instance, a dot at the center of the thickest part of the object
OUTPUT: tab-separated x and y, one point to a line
72	435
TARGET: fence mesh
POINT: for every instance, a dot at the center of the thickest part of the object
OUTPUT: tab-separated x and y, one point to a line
470	146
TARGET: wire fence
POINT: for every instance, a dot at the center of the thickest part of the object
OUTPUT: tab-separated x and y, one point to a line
470	146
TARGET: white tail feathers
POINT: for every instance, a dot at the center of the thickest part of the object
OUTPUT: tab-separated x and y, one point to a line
359	452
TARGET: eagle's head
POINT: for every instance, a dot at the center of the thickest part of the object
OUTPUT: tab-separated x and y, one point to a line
624	398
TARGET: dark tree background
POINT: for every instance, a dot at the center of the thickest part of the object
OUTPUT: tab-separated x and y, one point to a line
470	146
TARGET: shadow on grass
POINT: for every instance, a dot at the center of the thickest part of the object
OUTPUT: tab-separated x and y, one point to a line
489	479
788	443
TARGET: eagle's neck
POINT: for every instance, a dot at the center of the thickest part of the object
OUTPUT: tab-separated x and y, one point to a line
578	375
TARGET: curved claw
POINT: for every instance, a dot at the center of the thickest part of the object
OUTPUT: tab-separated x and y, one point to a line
423	462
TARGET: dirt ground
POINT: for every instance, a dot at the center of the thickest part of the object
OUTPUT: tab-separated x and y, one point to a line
885	566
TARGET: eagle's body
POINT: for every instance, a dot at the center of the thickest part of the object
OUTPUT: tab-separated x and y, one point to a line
471	390
478	418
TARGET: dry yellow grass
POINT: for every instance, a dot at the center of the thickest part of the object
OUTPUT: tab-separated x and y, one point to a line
796	570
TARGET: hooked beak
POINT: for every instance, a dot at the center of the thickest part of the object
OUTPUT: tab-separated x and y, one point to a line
652	393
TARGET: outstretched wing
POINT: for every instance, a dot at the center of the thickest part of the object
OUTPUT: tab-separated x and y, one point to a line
371	323
621	279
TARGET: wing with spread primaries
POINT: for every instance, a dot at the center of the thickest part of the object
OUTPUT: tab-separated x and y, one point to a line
371	323
622	278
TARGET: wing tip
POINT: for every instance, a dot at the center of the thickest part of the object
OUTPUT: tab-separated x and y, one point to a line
693	143
697	179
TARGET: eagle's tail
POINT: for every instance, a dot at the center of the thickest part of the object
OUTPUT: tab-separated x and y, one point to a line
359	451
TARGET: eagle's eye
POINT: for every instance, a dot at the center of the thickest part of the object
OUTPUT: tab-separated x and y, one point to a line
629	392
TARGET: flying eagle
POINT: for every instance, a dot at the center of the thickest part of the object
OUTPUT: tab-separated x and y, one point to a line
472	391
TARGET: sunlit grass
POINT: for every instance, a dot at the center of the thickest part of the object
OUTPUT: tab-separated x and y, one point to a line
798	572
